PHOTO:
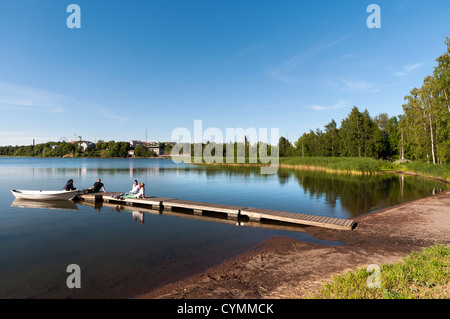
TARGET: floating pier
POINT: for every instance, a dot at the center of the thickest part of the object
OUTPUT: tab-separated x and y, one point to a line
232	212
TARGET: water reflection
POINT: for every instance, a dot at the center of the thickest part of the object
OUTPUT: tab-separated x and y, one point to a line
138	215
59	204
208	171
341	195
361	194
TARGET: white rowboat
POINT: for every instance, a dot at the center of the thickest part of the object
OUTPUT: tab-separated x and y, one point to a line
44	195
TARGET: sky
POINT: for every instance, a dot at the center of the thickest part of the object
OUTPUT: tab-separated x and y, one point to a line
139	70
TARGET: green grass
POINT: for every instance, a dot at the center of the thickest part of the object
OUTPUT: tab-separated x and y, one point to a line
438	170
360	165
347	164
421	275
343	164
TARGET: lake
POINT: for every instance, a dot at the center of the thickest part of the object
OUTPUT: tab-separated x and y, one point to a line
123	251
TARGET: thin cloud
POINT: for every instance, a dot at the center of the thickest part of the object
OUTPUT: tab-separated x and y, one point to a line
23	137
407	69
358	86
282	73
352	85
403	4
110	115
251	49
17	97
345	57
339	105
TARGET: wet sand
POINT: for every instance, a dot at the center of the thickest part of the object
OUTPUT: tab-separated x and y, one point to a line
285	268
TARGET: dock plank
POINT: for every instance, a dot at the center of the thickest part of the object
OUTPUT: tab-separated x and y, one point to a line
203	206
312	220
253	213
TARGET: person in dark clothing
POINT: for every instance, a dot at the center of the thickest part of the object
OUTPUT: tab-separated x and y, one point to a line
97	186
69	186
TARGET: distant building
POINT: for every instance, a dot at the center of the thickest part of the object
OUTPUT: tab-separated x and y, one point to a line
133	144
86	146
156	147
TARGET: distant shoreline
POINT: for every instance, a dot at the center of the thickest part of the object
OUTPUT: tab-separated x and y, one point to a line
333	171
309	167
135	157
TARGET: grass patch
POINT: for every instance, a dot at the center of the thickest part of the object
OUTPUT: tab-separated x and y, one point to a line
438	170
421	275
358	165
363	165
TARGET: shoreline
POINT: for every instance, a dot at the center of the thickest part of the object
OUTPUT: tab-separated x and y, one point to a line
330	170
288	166
285	268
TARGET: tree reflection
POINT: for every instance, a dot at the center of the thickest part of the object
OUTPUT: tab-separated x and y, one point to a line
362	194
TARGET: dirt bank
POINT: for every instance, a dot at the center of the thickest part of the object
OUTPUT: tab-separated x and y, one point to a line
286	268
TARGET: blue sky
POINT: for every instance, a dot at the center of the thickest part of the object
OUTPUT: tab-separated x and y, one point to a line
154	66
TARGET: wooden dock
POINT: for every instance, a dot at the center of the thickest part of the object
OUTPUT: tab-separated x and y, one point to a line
232	212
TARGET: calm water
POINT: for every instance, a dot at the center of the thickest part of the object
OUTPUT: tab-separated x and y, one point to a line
121	254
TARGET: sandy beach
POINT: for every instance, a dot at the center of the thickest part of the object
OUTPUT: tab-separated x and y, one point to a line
285	268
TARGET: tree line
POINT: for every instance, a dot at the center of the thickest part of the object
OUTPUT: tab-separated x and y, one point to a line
67	149
421	133
73	149
359	135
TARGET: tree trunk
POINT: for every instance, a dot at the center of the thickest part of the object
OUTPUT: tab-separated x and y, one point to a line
446	98
402	151
432	141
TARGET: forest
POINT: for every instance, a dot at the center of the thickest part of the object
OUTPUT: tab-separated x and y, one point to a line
67	149
422	133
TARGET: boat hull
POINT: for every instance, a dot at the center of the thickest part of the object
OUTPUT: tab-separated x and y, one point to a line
44	195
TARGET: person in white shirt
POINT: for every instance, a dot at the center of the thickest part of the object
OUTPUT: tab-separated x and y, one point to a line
141	191
140	194
134	190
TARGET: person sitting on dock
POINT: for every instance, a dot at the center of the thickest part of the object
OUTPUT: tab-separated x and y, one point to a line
96	187
69	186
134	190
140	194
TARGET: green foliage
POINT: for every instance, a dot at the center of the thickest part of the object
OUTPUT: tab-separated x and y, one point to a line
117	149
442	171
348	164
360	135
285	147
142	151
426	123
62	149
421	133
421	275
